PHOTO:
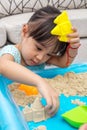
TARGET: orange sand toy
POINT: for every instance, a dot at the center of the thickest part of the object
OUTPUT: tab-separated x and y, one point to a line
29	90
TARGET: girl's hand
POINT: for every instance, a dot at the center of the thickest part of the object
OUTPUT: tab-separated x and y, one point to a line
74	38
51	97
74	44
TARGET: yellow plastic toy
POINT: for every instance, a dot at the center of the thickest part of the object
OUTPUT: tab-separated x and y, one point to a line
29	90
63	27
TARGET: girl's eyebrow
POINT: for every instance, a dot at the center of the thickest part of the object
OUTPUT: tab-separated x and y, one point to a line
39	45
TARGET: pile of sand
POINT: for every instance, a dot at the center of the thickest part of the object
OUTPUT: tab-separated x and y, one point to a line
70	84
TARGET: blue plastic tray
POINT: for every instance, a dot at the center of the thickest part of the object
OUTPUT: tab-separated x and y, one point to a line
56	122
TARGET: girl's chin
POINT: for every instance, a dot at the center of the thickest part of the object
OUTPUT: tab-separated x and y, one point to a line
32	64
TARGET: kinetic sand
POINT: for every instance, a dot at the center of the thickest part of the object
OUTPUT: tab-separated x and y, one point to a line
70	84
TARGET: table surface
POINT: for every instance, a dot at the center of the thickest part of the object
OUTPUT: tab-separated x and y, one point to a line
57	122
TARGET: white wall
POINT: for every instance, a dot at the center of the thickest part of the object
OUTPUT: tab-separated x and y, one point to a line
82	52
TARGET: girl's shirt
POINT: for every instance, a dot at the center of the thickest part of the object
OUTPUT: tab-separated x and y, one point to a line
11	49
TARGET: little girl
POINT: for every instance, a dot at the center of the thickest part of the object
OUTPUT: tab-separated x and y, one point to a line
39	47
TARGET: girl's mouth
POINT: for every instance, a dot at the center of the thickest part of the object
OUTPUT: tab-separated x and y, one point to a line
33	63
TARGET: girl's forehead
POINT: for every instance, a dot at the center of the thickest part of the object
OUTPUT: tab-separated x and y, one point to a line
46	46
50	48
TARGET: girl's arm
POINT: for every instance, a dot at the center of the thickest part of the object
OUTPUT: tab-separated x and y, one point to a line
21	74
70	53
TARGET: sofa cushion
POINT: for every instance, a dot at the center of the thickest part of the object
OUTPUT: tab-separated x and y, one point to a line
3	37
10	7
13	25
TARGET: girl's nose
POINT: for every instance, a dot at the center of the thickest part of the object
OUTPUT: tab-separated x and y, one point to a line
40	56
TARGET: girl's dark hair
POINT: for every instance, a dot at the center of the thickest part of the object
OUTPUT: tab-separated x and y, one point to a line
40	26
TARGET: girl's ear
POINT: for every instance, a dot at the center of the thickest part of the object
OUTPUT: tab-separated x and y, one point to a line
25	30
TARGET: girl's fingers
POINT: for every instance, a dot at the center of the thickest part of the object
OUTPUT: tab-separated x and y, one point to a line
74	40
74	29
51	97
52	108
75	33
49	105
77	45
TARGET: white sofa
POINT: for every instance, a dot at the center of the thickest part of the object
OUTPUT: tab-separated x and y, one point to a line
14	13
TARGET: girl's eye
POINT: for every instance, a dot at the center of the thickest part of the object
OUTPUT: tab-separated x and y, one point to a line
49	55
39	49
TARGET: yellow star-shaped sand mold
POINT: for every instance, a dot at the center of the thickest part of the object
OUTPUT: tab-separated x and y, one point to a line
63	26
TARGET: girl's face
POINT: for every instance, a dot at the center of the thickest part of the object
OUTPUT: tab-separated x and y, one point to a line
34	53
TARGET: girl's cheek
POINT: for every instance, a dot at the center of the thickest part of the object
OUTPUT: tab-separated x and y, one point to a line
46	59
